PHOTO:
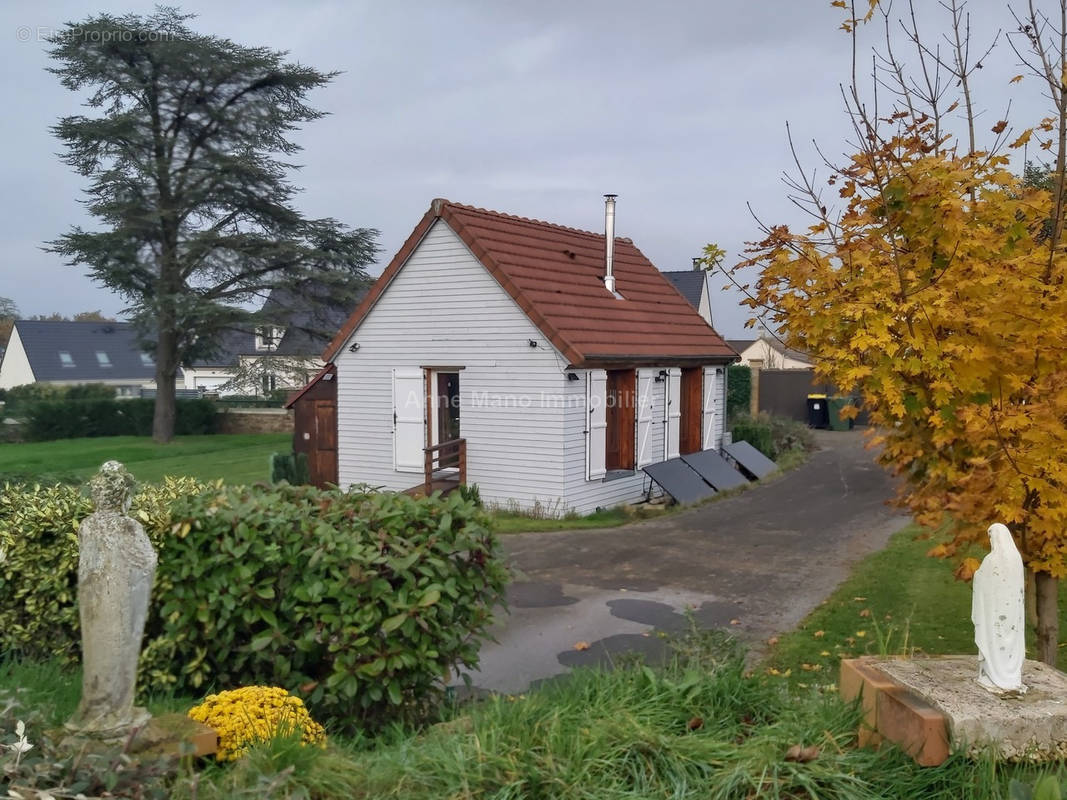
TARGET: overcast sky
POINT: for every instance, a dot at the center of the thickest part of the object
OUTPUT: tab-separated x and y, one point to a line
533	108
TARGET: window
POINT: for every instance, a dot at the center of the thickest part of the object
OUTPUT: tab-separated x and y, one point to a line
146	360
620	405
102	359
267	337
65	359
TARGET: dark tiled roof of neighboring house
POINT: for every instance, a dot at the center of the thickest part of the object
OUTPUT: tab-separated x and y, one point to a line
555	275
84	351
310	318
690	283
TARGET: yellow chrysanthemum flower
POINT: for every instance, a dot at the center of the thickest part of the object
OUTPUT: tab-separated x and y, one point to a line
242	717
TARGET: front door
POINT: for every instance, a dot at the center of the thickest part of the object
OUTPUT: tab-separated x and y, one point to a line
692	397
620	402
323	466
447	403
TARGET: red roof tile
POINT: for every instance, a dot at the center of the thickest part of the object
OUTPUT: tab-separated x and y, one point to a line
555	274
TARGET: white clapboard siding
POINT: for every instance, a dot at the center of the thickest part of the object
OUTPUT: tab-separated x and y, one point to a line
713	407
596	407
409	419
645	419
444	309
672	415
582	494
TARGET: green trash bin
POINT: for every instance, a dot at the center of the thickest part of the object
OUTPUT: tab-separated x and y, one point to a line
837	422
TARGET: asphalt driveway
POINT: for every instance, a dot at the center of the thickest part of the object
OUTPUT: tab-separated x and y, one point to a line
756	563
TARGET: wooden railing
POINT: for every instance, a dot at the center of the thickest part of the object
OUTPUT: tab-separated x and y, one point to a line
450	455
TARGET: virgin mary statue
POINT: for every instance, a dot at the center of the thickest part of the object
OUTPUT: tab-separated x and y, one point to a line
116	566
998	610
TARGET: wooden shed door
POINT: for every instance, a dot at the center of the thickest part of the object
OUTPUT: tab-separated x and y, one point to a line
691	411
322	461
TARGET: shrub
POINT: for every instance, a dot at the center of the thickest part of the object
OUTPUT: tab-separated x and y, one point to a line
290	467
754	431
90	391
39	562
738	390
364	601
72	419
18	397
472	493
772	435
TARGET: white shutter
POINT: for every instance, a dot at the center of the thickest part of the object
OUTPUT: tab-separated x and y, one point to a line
672	415
712	408
645	382
596	426
409	419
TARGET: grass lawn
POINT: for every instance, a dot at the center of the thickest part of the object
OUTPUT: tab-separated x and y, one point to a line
240	458
702	727
896	601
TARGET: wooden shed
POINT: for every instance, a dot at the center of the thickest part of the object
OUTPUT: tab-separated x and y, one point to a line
315	425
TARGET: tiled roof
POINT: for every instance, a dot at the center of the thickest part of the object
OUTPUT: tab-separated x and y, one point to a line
310	317
79	343
740	345
555	275
690	283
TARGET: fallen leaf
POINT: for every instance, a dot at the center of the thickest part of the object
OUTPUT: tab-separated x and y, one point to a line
581	645
801	754
819	634
859	599
695	724
772	641
735	622
861	634
824	653
865	613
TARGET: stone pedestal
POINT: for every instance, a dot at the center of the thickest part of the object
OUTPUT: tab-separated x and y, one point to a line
931	705
168	735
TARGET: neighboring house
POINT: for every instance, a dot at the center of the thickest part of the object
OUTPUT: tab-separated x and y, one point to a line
693	286
68	353
769	353
503	333
284	355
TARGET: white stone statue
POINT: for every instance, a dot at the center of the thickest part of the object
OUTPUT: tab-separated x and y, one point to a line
998	610
116	566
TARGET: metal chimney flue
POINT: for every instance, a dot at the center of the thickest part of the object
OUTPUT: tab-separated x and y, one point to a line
609	243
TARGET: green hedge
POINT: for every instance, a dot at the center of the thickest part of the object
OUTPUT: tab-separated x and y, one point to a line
772	435
738	390
361	603
73	419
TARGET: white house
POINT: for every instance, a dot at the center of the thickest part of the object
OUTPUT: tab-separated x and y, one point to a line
64	353
769	353
562	360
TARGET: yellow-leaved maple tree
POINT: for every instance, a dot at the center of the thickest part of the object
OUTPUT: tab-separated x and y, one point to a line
936	291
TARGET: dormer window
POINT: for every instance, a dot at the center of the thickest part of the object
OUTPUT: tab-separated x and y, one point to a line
267	338
103	359
66	359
